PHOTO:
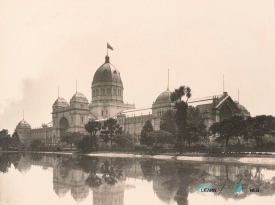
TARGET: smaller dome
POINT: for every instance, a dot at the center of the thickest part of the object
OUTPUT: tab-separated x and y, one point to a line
60	189
164	97
79	97
80	193
23	124
60	102
242	109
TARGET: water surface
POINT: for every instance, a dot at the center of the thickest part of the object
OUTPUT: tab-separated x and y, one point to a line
39	179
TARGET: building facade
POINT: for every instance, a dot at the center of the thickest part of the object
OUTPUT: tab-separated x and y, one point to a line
107	101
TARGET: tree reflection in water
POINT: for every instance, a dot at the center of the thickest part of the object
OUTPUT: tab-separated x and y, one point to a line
110	173
6	159
172	181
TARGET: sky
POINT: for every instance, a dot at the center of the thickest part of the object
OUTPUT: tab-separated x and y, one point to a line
49	44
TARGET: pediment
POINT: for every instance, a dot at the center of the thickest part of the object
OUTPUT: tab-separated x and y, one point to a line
227	101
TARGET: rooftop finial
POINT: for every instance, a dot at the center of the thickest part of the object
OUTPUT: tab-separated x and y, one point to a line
76	86
58	92
23	114
223	83
168	81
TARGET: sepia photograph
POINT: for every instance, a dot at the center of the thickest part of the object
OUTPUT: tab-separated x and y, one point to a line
157	102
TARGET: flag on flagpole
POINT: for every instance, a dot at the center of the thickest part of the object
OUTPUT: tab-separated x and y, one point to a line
110	47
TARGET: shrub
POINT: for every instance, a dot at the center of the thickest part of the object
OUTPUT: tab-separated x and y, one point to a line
104	146
141	146
124	141
86	144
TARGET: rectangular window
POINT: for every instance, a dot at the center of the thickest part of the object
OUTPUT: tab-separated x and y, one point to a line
115	91
93	93
97	92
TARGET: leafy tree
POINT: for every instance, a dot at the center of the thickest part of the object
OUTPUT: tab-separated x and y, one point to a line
110	130
195	126
124	141
15	135
85	144
4	132
259	126
147	128
159	138
5	139
72	138
228	128
36	144
93	127
168	123
181	110
8	142
4	163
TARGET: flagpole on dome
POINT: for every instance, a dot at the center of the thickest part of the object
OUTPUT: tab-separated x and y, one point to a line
109	47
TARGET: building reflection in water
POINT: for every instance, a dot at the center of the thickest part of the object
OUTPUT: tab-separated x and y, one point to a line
172	181
73	179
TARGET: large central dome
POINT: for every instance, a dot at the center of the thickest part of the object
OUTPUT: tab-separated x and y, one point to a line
107	73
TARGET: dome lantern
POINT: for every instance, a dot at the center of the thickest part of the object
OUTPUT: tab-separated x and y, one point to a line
107	59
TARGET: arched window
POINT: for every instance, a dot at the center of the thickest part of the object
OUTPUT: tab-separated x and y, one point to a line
104	112
225	113
63	124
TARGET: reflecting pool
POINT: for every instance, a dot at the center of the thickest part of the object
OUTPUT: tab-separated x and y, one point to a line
39	179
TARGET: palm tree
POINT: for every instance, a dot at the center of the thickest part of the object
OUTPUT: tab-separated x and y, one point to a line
181	110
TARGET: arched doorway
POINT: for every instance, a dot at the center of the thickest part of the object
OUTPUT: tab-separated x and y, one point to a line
225	113
63	124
